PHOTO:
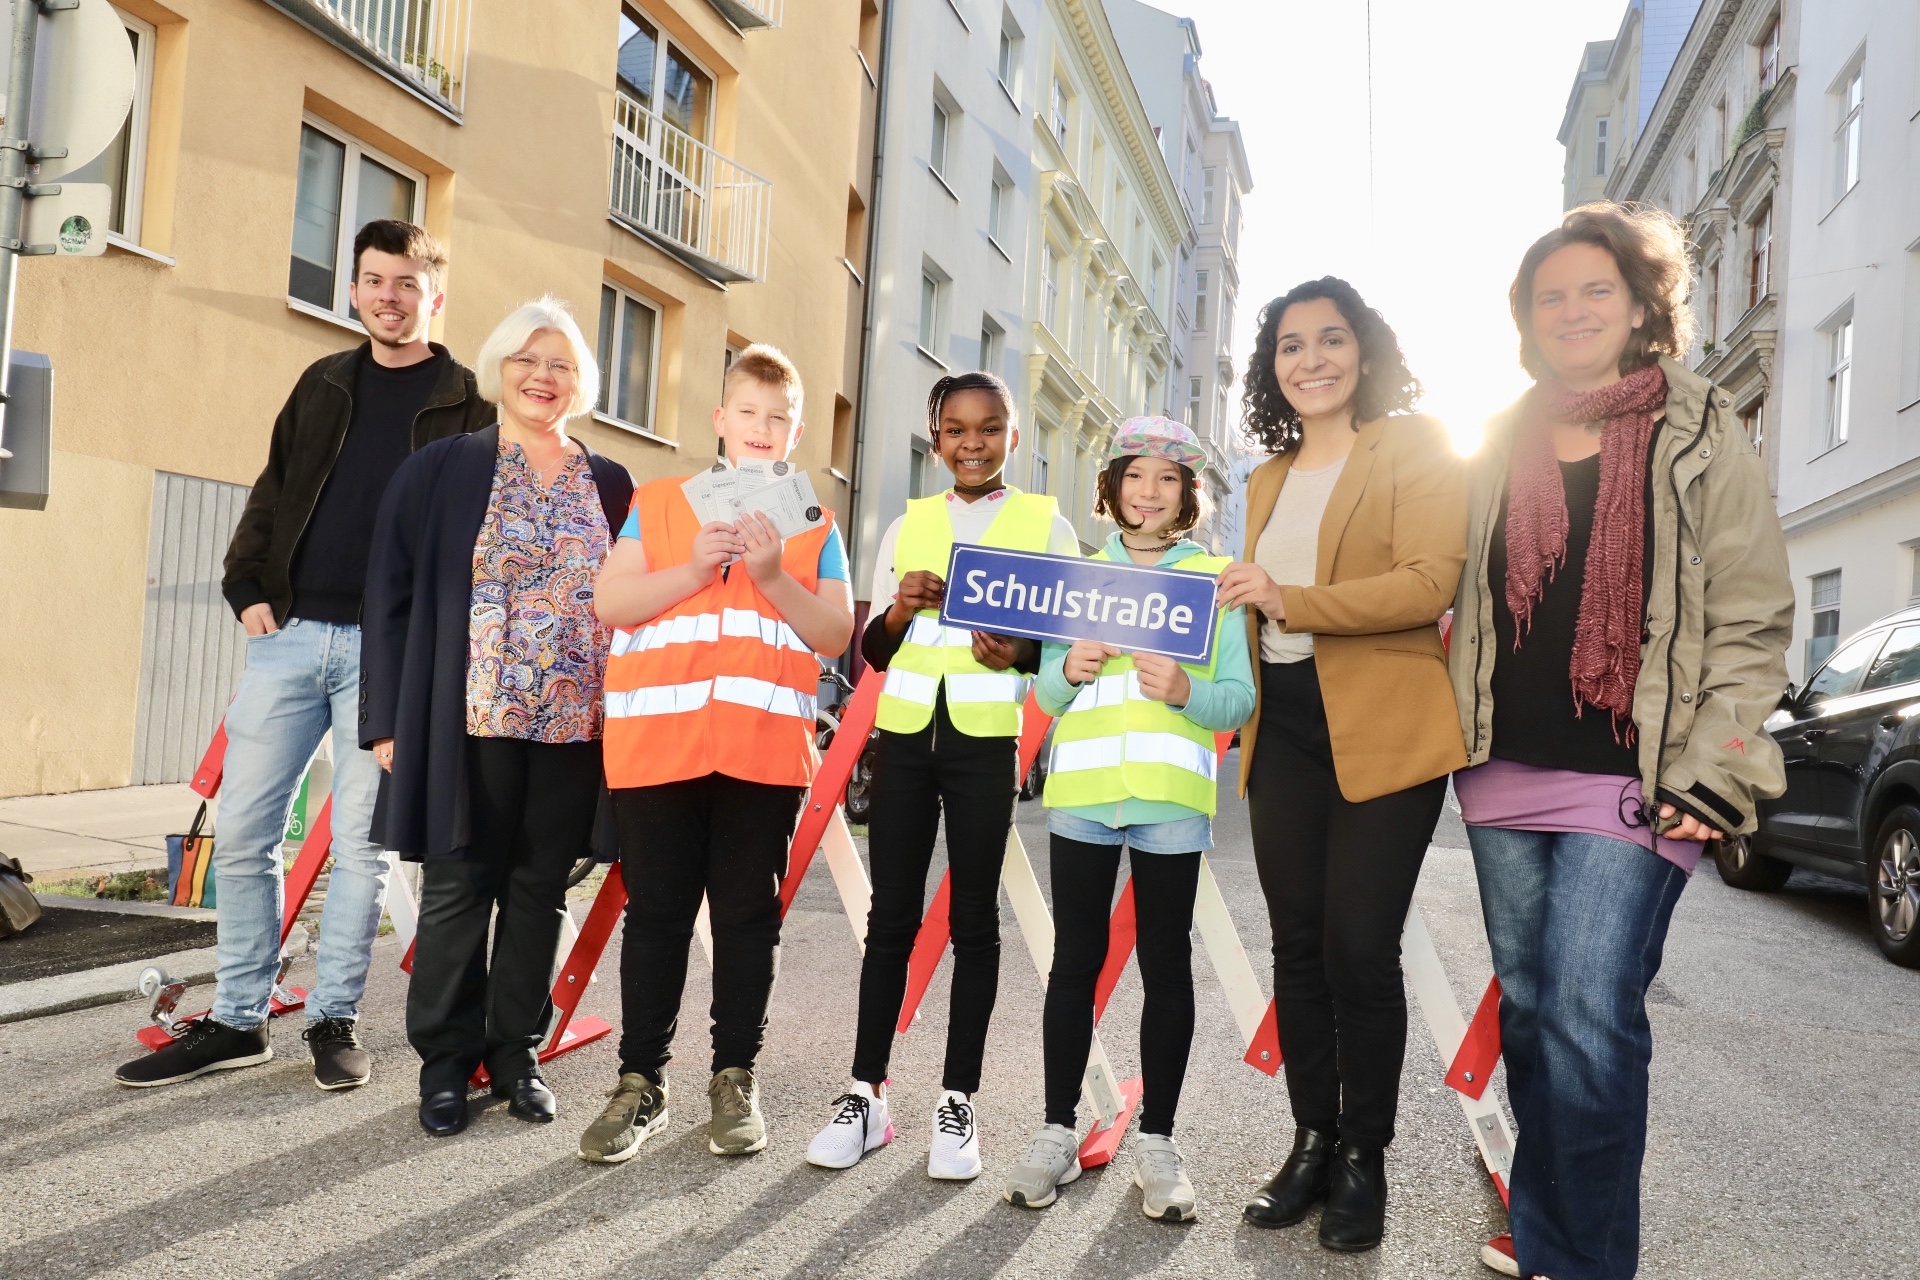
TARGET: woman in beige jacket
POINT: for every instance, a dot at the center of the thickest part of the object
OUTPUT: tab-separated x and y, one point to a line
1619	637
1355	537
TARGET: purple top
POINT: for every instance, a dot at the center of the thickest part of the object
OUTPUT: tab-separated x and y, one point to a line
1525	797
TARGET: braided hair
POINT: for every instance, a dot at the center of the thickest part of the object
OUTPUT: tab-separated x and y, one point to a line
977	380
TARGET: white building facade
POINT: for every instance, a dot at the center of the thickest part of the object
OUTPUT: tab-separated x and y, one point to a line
1204	153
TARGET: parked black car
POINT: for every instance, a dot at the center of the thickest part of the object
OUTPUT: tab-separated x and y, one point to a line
1852	805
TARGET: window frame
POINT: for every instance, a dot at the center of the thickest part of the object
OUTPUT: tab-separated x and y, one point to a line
1850	98
940	139
999	191
349	200
931	322
1837	413
1060	113
1769	48
1760	256
662	39
1601	127
991	343
1202	281
1209	198
133	196
608	375
1050	264
1041	465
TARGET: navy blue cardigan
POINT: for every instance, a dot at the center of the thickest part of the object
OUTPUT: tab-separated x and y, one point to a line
413	640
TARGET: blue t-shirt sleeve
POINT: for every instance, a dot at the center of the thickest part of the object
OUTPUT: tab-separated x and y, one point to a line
631	529
833	555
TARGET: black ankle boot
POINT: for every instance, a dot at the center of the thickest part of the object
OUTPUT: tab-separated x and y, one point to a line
1356	1212
1300	1184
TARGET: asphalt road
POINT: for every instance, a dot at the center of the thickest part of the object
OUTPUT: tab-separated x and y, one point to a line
1785	1080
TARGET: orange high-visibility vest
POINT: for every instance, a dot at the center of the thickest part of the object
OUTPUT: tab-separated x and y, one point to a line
719	683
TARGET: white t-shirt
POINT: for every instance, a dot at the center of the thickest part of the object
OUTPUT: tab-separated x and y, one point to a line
1289	550
970	521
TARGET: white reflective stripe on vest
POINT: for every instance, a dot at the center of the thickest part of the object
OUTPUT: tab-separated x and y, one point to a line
911	686
746	691
1108	691
772	631
929	632
660	699
1134	748
990	686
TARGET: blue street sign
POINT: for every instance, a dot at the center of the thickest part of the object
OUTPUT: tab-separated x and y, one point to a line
1064	598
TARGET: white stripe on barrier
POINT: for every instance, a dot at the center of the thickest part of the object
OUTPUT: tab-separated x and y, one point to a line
911	686
1134	748
986	686
1222	941
1427	977
659	699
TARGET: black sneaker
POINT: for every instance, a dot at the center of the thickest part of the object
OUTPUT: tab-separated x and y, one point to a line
202	1046
340	1061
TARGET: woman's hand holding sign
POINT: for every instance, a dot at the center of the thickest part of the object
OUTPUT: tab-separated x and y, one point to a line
1246	583
1163	679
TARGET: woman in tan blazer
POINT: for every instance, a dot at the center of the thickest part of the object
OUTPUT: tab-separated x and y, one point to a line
1356	533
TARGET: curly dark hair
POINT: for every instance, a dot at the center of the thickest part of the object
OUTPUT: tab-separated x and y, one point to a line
1386	386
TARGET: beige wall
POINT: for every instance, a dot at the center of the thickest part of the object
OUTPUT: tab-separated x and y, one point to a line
182	366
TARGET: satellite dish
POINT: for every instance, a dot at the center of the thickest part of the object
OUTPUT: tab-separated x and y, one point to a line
83	81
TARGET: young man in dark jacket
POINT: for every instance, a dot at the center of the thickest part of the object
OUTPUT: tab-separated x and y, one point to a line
294	575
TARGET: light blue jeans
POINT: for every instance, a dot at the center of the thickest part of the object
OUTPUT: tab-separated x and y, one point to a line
1182	835
300	681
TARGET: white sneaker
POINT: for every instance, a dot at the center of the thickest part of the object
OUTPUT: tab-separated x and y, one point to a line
954	1155
1165	1193
1051	1162
858	1126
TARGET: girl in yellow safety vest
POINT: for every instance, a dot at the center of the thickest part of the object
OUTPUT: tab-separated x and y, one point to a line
949	723
1133	765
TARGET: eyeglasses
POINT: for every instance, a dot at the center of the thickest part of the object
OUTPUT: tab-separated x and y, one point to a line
529	364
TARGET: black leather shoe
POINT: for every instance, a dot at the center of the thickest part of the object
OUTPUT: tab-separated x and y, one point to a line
529	1099
1300	1184
1356	1212
444	1114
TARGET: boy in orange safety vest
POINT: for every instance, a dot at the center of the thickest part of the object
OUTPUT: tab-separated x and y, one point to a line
709	729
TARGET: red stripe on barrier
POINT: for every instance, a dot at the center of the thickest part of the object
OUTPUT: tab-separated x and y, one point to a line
830	781
213	765
1122	932
1101	1144
406	961
1223	743
1033	731
306	867
1264	1053
928	946
584	956
1472	1067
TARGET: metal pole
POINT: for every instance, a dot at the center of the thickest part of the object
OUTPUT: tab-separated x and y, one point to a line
13	182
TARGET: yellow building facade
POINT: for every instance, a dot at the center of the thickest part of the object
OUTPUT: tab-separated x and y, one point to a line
690	174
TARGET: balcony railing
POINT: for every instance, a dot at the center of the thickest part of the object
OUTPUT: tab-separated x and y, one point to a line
751	15
695	203
420	43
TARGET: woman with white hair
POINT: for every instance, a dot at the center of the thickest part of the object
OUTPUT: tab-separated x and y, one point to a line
481	678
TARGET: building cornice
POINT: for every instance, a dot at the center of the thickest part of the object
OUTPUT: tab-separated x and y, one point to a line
1894	482
1705	39
1089	22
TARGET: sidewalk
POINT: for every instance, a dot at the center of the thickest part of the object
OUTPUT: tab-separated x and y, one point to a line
123	829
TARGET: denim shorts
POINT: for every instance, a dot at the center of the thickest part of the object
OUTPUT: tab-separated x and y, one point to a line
1183	835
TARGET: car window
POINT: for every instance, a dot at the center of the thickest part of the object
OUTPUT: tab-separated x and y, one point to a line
1841	675
1899	662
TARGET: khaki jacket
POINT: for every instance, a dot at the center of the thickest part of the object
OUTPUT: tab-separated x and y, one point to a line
1391	546
1713	660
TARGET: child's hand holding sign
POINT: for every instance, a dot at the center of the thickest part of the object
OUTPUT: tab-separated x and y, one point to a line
1162	679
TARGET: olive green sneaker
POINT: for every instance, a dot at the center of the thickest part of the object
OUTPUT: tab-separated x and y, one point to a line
738	1127
637	1111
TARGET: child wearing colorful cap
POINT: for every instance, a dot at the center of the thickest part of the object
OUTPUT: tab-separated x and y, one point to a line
1154	796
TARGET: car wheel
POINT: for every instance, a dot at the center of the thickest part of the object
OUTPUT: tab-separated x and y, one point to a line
1893	901
1745	867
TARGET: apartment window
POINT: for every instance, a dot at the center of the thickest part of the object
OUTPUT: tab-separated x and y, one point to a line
1007	63
1233	215
663	77
629	354
1770	55
989	344
1050	289
1913	589
1600	147
1040	449
122	166
1713	303
1846	136
937	148
1208	182
343	185
1826	618
1718	156
1226	314
932	298
920	469
999	206
1153	282
1839	381
1760	261
1059	109
1753	420
1194	396
1200	282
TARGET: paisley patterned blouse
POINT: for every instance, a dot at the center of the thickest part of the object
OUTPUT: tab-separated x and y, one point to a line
535	653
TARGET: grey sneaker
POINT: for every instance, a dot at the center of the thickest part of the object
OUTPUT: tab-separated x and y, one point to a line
1051	1162
637	1111
738	1127
1165	1193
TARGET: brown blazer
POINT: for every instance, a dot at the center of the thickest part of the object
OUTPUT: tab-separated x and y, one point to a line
1392	544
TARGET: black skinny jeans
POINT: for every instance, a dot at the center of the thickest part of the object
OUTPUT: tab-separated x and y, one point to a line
715	837
917	777
1338	878
533	805
1163	889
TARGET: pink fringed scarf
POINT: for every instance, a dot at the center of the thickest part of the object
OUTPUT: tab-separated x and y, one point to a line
1606	642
